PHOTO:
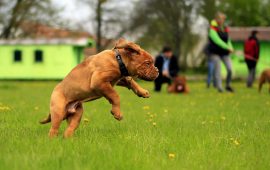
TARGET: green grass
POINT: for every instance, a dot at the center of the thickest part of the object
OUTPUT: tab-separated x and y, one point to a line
204	130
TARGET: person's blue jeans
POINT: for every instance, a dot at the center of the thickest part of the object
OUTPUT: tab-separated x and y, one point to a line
217	70
211	67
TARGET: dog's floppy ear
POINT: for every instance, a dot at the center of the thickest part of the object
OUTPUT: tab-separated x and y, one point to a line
130	46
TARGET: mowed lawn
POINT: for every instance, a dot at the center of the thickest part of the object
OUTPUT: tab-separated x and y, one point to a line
201	130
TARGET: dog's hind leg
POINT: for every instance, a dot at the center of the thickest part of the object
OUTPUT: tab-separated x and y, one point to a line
73	121
58	113
261	82
56	119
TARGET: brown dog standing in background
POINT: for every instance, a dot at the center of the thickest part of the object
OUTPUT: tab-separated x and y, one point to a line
265	77
94	78
179	85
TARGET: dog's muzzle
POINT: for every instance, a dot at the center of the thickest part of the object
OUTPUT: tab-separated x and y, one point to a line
150	74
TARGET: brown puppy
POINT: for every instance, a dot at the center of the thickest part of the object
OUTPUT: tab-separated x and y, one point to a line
265	77
179	85
94	78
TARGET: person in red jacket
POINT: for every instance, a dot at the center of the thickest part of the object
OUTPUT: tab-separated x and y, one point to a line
252	52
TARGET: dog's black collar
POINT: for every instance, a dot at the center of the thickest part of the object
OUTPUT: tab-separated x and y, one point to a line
122	67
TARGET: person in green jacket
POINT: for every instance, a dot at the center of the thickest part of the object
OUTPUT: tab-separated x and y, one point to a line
219	48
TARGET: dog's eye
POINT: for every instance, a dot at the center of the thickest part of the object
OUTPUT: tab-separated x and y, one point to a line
148	64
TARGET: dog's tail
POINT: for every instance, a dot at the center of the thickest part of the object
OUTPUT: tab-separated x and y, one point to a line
46	120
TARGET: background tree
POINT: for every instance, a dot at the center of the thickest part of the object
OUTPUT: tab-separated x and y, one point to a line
14	12
166	22
265	13
99	23
208	9
240	12
110	20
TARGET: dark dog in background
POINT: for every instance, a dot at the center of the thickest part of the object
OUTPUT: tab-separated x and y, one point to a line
265	77
179	85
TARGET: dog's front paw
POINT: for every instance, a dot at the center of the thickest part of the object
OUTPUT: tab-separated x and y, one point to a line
117	116
143	93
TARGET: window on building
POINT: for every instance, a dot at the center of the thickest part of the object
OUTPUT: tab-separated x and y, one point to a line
38	56
17	57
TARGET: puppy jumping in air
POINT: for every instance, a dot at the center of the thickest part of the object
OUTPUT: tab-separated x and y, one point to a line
94	78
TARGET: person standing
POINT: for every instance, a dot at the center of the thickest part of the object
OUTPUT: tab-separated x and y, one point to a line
168	68
220	47
252	52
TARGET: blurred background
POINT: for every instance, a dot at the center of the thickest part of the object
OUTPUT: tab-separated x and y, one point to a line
46	39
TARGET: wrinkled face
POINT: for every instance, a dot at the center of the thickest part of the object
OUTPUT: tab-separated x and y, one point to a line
141	63
146	69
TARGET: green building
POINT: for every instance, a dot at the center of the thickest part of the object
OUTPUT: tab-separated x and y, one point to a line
238	36
40	58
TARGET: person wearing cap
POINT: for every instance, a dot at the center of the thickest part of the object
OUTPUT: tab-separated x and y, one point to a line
252	52
168	68
219	48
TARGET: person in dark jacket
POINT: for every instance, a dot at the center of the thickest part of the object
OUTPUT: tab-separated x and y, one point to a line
219	48
168	68
252	52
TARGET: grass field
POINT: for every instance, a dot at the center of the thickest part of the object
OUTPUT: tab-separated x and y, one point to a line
202	130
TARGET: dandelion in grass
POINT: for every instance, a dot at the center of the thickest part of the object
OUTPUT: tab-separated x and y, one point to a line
36	108
146	107
154	124
85	120
171	155
236	142
165	111
4	108
223	118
